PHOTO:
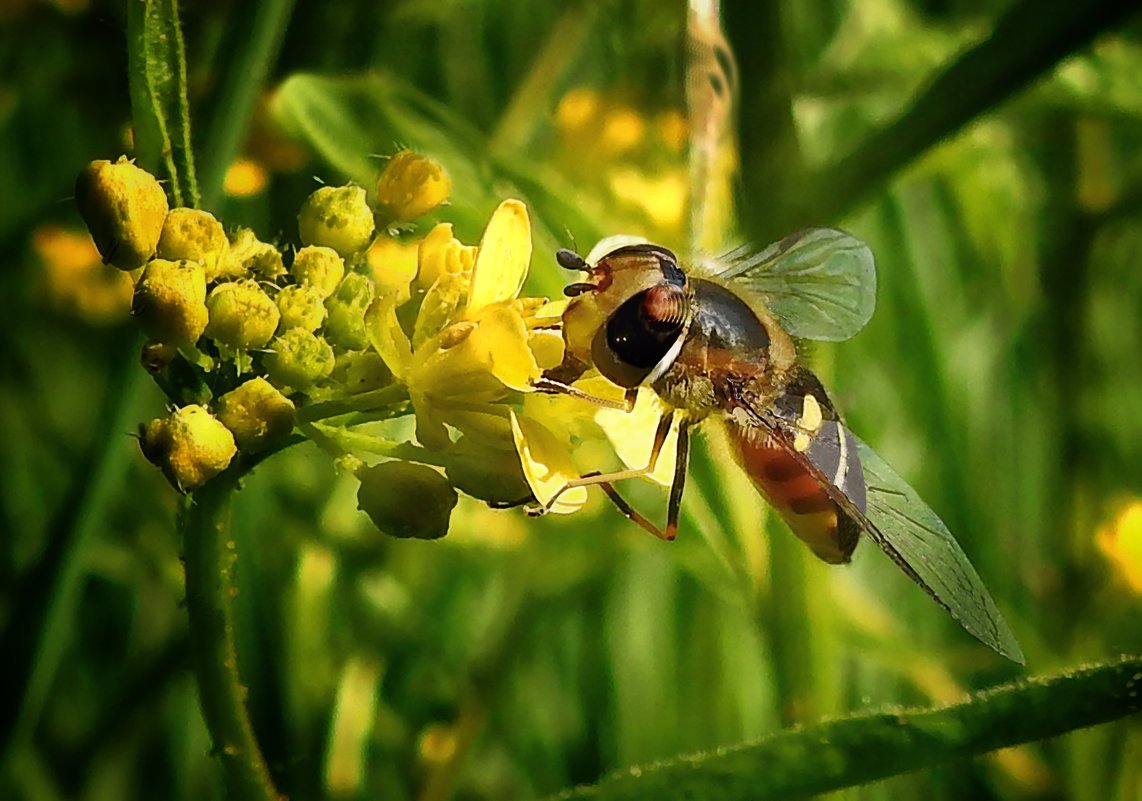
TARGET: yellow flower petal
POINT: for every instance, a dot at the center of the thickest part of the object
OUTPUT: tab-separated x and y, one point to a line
550	313
455	369
547	346
502	334
386	335
547	465
445	267
632	434
393	265
503	258
570	419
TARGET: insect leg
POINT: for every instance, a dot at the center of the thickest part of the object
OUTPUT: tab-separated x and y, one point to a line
676	487
632	514
606	481
551	385
621	475
682	459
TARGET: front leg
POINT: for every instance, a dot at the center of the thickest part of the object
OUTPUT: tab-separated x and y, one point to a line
546	384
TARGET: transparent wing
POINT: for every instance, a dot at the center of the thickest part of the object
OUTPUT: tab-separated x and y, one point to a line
916	539
897	519
820	282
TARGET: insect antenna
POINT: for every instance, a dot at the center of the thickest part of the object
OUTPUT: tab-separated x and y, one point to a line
570	260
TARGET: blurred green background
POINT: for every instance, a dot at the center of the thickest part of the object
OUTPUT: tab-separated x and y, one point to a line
1001	190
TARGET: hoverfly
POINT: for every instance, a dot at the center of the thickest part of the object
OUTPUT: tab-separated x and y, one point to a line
722	345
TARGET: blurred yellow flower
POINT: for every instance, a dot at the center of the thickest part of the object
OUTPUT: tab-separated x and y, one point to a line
1120	540
635	159
244	178
76	278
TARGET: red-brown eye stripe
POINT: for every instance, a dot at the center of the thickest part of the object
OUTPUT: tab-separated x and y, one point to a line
664	303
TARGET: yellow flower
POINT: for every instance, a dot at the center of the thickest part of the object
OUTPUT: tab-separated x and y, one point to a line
170	301
124	207
77	280
194	235
1120	539
555	432
470	345
338	217
191	446
256	414
392	265
410	186
244	178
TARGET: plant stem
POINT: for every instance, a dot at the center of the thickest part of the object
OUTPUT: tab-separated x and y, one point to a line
842	753
210	559
361	402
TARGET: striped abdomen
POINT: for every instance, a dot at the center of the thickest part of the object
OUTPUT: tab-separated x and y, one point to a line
799	459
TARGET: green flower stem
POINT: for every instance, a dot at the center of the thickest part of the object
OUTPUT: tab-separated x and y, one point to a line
800	762
210	589
361	402
339	441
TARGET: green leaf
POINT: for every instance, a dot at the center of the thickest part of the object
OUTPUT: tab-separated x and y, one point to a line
842	753
156	65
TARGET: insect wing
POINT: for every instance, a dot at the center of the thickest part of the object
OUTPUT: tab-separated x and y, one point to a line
820	282
916	539
904	527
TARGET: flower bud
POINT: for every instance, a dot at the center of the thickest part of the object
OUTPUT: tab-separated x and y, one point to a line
191	446
318	267
338	217
361	371
247	256
170	301
345	326
406	500
241	315
300	307
411	186
298	359
492	475
256	413
124	207
196	235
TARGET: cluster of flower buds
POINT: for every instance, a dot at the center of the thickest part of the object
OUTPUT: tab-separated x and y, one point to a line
241	333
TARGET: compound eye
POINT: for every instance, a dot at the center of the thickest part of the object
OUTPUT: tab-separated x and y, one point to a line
640	334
